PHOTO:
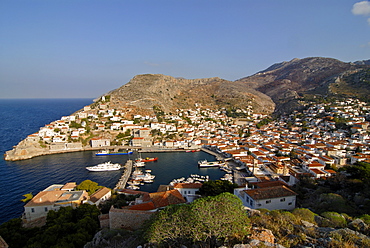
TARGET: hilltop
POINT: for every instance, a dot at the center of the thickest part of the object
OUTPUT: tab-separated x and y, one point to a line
169	93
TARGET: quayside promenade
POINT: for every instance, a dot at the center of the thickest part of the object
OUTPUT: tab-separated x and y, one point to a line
27	152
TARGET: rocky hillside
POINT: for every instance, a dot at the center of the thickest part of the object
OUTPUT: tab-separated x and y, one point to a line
169	93
287	82
278	88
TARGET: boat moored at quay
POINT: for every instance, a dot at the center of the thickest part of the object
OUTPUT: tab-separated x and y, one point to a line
107	166
205	163
108	152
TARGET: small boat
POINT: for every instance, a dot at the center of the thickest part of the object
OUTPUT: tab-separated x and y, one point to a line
139	164
133	187
205	163
146	159
107	166
107	152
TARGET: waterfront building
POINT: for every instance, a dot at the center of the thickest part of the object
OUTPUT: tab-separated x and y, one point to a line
53	198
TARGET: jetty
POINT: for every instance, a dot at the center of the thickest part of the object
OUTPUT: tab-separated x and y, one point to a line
125	176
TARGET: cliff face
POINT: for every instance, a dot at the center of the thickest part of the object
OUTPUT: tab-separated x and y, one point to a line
169	93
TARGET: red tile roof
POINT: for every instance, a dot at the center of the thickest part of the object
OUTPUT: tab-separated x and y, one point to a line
268	193
162	199
187	185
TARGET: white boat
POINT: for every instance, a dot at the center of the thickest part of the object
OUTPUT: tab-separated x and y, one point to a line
144	176
107	166
205	163
133	187
139	164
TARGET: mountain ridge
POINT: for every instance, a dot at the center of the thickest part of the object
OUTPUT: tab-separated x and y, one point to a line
277	89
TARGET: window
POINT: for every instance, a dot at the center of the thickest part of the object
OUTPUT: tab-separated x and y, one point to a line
289	203
259	205
32	210
268	201
282	199
46	209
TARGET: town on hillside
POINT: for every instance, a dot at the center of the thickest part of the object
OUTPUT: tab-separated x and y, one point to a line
263	156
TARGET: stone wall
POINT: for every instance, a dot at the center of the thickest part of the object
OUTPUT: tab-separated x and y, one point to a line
104	221
127	219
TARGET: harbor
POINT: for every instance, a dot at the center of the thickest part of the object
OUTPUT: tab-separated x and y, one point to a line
137	175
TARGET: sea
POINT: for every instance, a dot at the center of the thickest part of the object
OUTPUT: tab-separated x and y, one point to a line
22	117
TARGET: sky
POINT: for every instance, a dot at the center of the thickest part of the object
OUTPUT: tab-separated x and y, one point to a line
85	48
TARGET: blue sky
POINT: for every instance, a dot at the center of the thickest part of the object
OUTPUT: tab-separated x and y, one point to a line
84	48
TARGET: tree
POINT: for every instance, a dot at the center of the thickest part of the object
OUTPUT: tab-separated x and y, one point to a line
89	186
361	170
213	188
209	220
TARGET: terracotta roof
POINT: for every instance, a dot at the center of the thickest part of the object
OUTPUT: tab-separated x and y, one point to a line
268	184
143	206
268	193
188	185
162	199
69	186
162	188
99	194
45	198
318	172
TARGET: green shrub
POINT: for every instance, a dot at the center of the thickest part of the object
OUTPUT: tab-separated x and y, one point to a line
305	214
334	219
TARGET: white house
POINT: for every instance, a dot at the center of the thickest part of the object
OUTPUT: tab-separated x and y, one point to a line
188	190
99	142
271	198
100	196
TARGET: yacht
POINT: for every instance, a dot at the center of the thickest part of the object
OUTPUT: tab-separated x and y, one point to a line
107	166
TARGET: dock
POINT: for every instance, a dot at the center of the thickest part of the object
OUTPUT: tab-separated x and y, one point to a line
217	155
125	176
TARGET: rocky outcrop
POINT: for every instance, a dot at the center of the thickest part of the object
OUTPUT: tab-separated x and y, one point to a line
30	148
26	149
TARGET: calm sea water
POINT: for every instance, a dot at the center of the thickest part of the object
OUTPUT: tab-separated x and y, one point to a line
21	117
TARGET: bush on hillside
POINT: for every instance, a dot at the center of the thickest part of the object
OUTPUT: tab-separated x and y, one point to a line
333	219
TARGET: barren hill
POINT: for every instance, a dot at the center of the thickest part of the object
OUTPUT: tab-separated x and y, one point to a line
277	89
169	93
286	82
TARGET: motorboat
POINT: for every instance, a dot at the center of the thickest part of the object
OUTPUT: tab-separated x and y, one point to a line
205	163
107	166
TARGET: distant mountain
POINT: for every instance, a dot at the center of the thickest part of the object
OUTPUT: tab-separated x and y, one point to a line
278	88
287	82
362	62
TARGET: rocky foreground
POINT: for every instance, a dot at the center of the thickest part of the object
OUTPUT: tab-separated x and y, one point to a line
307	234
